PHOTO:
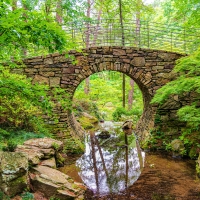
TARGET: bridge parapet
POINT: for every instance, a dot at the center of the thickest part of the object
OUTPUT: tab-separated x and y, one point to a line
142	34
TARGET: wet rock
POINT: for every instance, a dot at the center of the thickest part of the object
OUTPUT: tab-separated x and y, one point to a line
39	149
49	163
45	143
13	172
52	182
104	134
35	154
45	154
177	148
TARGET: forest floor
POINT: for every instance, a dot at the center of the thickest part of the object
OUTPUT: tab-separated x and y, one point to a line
162	178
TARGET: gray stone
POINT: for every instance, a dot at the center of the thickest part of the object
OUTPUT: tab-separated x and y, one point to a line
52	182
138	61
45	143
49	163
35	154
40	79
48	61
177	147
54	81
13	172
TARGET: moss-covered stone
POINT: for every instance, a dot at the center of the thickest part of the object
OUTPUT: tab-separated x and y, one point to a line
87	122
13	172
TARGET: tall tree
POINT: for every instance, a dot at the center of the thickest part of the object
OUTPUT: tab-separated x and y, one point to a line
123	43
59	11
87	42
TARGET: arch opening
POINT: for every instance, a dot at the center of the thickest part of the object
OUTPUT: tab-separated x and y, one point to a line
104	100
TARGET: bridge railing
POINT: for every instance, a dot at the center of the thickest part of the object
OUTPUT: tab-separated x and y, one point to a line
144	34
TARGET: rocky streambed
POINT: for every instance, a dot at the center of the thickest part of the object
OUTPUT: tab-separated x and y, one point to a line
113	167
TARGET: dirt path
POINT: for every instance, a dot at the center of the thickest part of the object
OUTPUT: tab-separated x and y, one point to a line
163	178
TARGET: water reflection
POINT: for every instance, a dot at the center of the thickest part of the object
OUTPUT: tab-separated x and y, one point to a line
110	165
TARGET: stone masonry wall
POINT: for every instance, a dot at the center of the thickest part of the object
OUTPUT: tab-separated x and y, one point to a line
150	69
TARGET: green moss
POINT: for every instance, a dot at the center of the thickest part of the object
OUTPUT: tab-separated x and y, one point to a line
21	180
87	123
193	153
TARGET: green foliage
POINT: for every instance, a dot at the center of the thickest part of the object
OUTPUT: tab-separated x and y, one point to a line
157	140
27	196
3	196
134	113
191	139
26	32
186	13
84	105
54	198
55	146
29	31
11	138
106	95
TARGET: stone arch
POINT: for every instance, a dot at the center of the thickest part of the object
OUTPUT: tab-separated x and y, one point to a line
150	69
146	121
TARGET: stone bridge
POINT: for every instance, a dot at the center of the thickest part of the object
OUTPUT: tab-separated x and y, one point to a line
150	69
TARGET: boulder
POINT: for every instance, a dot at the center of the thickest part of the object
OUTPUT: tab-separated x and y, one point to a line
52	182
39	149
45	143
35	154
49	163
177	147
13	172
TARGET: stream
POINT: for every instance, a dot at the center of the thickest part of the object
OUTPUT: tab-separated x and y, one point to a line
112	164
112	160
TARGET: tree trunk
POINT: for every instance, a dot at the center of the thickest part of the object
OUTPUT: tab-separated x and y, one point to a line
59	11
92	136
123	43
130	95
87	43
87	85
123	90
47	8
97	27
137	29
